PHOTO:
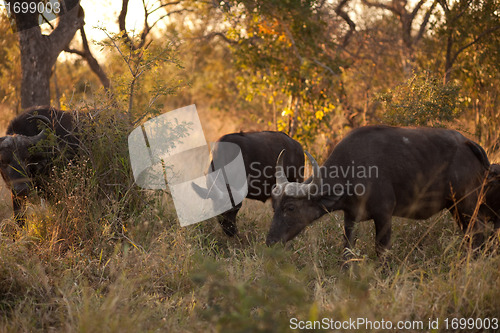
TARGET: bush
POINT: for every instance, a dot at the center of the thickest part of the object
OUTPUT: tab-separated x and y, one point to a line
421	101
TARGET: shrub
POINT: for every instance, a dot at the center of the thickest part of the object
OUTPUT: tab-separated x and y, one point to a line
421	101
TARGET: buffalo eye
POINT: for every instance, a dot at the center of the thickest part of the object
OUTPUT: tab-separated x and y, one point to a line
289	208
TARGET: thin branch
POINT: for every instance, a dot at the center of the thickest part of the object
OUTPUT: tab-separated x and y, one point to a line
444	5
185	10
91	60
415	10
221	35
465	7
352	26
48	22
477	39
317	62
425	21
383	6
120	51
163	5
75	51
146	28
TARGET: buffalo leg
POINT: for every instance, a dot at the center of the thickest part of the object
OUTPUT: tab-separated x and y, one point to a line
477	234
227	221
474	228
18	207
383	226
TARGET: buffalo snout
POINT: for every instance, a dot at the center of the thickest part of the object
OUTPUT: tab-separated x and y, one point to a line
277	234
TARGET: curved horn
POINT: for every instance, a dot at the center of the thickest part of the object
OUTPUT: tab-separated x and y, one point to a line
280	170
315	184
42	118
33	140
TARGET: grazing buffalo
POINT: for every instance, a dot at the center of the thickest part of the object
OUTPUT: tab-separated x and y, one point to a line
259	151
24	154
377	172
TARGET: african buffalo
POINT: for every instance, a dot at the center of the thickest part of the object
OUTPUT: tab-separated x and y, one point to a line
259	151
22	158
491	205
377	172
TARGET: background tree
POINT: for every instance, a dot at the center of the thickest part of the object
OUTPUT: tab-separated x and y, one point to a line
467	23
39	52
407	18
10	67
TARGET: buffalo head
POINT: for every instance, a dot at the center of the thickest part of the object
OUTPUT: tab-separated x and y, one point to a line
18	163
296	205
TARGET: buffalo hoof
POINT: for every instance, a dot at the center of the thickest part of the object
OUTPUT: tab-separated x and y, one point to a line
229	228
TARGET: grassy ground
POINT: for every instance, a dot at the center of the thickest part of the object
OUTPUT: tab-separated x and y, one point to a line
155	275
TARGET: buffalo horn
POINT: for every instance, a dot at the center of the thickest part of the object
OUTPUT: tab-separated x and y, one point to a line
33	140
42	118
280	171
315	184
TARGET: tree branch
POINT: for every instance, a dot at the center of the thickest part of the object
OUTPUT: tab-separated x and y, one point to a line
317	62
383	6
75	51
123	15
415	10
89	58
69	22
163	5
425	21
92	62
221	35
146	28
185	10
352	26
444	5
476	40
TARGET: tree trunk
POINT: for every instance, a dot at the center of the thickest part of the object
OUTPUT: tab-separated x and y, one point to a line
39	52
448	60
36	67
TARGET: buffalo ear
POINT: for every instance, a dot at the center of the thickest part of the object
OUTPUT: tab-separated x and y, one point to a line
494	173
329	202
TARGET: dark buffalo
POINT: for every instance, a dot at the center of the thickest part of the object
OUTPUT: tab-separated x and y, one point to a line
377	172
259	151
23	156
492	195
